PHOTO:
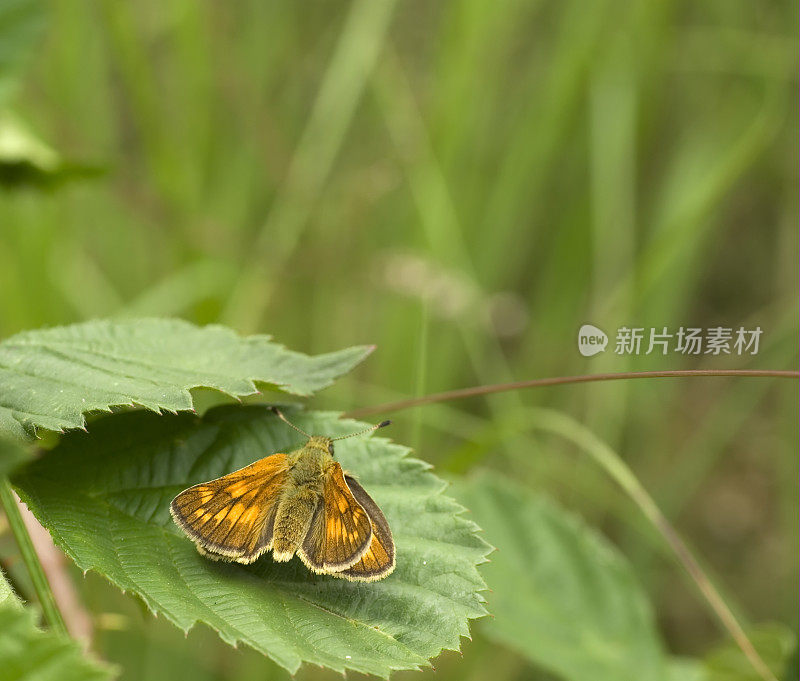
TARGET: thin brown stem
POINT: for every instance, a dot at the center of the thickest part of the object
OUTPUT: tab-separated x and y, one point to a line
479	390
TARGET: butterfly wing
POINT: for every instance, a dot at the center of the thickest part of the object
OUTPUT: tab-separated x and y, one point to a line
379	559
340	530
232	517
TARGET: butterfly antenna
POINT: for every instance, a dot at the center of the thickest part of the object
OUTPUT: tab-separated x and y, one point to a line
382	424
278	413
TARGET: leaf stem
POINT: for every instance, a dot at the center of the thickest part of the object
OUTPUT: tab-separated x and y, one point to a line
566	427
50	610
478	390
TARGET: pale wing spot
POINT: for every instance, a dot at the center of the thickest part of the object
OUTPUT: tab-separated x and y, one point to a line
197	514
205	495
248	516
236	512
221	514
237	488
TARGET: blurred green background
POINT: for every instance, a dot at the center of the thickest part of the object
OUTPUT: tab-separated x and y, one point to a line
463	184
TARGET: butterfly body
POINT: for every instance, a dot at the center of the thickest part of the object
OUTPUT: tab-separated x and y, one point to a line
308	468
301	504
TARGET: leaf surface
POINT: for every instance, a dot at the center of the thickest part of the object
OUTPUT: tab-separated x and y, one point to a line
12	454
50	378
29	654
105	498
7	596
562	595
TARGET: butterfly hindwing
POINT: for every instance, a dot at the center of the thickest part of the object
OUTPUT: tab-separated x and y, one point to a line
379	559
340	530
232	517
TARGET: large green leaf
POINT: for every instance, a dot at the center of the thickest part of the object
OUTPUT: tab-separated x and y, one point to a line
105	497
562	595
29	654
50	378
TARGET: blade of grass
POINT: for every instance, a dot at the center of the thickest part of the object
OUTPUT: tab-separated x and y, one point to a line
613	113
439	218
555	422
181	289
543	122
350	66
422	367
128	50
704	447
48	603
682	226
77	620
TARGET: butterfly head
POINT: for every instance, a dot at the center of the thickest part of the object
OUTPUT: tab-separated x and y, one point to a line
321	442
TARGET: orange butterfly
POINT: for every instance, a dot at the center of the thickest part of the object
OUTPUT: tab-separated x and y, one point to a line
299	503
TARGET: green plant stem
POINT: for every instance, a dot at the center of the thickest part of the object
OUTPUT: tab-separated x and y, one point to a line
605	457
554	422
50	610
478	390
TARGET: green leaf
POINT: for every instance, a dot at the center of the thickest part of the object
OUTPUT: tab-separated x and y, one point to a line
26	160
18	144
105	497
7	596
28	654
12	454
775	643
21	24
562	595
50	378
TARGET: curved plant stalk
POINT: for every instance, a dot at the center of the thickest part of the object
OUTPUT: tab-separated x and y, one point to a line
50	610
563	380
559	424
76	618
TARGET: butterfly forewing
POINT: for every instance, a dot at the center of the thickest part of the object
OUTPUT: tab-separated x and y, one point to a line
379	559
232	517
340	530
